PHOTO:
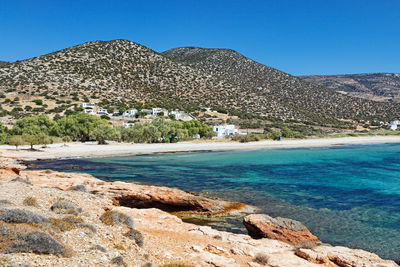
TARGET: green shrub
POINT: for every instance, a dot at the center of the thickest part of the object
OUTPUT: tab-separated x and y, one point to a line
38	102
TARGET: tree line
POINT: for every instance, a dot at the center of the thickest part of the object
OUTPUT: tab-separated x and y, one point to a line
41	130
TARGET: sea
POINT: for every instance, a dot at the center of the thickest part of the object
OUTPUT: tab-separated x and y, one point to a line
347	195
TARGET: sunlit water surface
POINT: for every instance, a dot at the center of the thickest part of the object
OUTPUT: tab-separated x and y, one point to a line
346	195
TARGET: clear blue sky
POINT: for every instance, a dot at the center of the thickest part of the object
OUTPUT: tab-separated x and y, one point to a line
297	36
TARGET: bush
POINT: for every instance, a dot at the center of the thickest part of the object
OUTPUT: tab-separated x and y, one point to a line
307	244
136	236
67	223
38	102
110	217
246	138
261	258
37	242
30	201
21	216
63	206
16	141
5	202
21	180
119	261
100	248
79	187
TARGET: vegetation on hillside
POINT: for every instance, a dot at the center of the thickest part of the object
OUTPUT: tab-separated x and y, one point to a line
41	130
380	86
314	102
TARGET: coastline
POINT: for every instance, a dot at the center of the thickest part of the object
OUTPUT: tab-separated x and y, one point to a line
91	149
227	250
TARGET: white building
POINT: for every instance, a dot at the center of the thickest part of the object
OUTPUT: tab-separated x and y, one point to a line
394	125
89	111
130	113
128	124
102	111
156	111
178	114
88	105
224	130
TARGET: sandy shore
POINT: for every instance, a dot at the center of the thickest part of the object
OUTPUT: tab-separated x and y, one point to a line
56	151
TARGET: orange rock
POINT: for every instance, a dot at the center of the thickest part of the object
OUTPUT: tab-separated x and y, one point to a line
128	194
282	229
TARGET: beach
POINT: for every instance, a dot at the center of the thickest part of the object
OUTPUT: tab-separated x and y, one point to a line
92	149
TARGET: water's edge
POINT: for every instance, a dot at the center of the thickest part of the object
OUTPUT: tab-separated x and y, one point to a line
321	187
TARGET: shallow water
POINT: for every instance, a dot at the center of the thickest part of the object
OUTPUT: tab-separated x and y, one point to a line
346	195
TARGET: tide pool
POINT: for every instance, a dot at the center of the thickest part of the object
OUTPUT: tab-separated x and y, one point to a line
346	195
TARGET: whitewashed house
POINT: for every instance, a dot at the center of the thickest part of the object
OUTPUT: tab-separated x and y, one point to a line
88	105
225	130
89	111
102	111
130	113
156	111
394	125
128	124
178	114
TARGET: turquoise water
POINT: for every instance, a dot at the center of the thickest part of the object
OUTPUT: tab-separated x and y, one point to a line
346	195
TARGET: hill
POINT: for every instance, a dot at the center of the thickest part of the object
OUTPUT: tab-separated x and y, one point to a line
121	73
375	86
284	88
3	62
124	71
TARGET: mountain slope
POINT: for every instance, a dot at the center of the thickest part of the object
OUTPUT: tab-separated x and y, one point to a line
282	87
121	69
379	86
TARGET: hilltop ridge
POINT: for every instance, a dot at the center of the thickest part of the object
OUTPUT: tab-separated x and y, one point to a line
374	86
282	87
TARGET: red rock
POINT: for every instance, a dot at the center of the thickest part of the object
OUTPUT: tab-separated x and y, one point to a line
282	229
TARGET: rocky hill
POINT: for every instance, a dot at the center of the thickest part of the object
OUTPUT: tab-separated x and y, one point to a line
122	70
284	88
189	79
375	86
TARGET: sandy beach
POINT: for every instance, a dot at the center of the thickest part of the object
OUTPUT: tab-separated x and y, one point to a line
91	149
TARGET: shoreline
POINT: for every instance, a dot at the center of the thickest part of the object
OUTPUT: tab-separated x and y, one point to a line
79	150
92	149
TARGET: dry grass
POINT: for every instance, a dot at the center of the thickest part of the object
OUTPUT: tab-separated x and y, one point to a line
31	201
110	217
136	236
119	247
119	261
261	258
63	206
4	260
307	244
67	223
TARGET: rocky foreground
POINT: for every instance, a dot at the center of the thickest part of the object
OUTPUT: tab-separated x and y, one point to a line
51	218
